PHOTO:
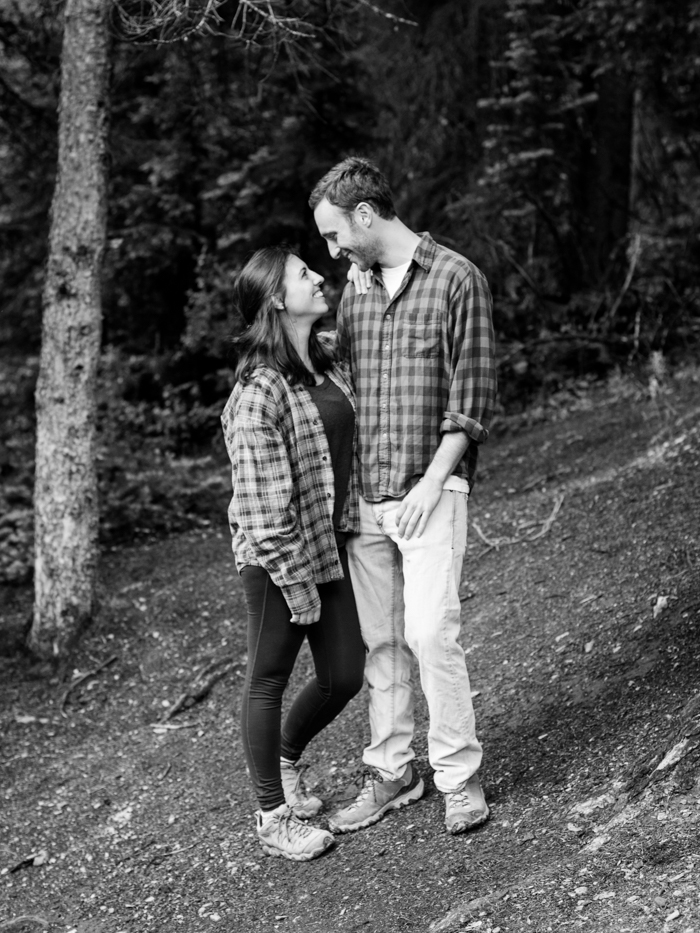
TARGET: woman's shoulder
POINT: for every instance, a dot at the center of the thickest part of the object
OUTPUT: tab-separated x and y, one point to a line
264	387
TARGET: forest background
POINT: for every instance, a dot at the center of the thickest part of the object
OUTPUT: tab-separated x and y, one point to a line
556	144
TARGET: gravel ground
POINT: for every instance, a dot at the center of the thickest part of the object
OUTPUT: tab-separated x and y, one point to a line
581	606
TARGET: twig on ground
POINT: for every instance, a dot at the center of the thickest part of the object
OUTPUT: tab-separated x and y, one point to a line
497	543
85	676
201	686
168	726
18	922
550	521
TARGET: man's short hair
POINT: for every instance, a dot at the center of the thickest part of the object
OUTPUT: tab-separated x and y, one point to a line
352	181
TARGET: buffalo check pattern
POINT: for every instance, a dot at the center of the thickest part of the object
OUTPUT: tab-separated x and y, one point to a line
423	364
281	509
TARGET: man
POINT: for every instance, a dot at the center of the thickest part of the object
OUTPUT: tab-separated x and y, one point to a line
420	344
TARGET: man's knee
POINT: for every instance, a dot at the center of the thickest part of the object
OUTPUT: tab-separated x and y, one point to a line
431	640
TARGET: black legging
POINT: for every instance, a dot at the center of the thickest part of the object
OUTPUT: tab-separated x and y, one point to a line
273	645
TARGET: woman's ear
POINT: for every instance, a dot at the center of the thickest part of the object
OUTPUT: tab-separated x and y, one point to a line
278	303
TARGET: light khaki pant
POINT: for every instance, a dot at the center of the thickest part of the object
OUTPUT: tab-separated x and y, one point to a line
407	594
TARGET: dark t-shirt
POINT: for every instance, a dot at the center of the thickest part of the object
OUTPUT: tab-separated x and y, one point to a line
338	420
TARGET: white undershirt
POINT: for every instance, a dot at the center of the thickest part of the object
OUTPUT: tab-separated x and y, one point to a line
393	277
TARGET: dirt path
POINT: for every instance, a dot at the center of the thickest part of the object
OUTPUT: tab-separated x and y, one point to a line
580	525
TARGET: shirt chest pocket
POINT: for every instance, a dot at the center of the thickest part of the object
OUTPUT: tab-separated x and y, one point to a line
422	335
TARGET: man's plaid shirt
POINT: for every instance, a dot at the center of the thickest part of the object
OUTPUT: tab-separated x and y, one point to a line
283	486
423	364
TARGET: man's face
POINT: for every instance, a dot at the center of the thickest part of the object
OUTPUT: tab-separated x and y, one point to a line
344	236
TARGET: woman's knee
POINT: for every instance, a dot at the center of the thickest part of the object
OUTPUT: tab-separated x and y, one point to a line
342	687
349	682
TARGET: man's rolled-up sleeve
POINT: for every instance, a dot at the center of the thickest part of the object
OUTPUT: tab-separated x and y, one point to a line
473	361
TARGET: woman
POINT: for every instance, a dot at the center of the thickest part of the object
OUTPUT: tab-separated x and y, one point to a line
290	427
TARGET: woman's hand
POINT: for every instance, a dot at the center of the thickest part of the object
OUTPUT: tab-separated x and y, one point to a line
306	618
361	280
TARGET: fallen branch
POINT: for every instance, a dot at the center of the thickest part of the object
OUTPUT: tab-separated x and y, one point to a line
83	677
550	521
497	543
168	726
201	686
19	922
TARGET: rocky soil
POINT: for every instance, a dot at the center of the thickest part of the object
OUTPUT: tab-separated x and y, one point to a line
581	599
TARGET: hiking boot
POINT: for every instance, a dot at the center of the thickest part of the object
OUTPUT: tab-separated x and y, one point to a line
376	798
466	807
295	794
282	834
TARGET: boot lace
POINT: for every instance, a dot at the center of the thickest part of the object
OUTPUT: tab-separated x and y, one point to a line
289	826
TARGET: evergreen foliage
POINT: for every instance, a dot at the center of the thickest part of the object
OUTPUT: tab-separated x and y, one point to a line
555	143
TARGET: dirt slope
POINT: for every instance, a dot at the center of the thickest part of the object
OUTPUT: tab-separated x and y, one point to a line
582	626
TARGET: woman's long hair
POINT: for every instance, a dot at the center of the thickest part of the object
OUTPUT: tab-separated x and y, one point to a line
265	341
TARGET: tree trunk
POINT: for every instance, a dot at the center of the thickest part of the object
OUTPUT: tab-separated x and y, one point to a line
66	514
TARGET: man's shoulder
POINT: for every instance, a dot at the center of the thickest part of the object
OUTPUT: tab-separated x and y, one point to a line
448	262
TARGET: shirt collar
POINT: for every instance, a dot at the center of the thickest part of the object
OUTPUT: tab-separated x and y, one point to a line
425	251
424	254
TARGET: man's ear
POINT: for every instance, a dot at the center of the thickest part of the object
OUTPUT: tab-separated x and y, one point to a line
364	214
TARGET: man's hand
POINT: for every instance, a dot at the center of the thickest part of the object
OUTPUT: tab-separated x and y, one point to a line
361	280
417	507
308	617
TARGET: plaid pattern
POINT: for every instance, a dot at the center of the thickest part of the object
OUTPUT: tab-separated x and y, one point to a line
281	511
423	364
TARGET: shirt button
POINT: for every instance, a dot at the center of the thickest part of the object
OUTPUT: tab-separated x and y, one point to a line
385	376
324	458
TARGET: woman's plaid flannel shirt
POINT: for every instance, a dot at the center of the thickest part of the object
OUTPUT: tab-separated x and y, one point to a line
281	511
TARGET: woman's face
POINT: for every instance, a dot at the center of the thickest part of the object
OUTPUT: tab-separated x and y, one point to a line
303	298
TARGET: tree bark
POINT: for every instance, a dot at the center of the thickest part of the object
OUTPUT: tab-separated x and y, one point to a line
66	513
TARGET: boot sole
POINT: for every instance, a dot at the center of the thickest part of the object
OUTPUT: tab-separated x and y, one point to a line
411	796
